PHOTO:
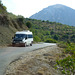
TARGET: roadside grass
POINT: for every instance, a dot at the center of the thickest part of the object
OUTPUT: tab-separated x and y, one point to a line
67	64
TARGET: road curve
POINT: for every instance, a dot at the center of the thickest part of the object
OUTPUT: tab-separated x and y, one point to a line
9	54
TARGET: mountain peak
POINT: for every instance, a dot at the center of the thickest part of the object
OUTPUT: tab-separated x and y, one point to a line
57	13
58	5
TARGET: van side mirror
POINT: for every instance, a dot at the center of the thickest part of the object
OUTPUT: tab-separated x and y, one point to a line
25	38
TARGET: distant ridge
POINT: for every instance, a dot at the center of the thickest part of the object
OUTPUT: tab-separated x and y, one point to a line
56	13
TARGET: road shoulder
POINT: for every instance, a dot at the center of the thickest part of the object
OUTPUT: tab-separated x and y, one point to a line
39	62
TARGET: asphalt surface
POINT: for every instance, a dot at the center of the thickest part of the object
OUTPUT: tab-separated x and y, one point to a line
9	54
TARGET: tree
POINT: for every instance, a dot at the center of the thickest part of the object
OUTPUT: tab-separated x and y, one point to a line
37	39
65	37
52	32
0	1
55	37
20	18
73	38
28	24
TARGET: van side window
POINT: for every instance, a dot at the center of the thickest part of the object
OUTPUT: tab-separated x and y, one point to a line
30	36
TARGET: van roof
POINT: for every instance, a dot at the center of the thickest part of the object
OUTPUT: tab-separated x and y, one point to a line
24	32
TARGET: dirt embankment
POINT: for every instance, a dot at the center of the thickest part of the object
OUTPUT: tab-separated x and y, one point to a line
8	27
39	62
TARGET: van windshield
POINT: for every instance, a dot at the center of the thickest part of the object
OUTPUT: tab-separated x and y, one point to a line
20	36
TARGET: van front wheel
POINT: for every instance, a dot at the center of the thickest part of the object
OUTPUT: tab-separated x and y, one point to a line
25	45
31	44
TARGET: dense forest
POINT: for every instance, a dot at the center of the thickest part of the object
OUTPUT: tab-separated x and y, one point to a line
45	30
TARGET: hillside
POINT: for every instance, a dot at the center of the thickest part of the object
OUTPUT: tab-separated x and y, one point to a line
45	31
2	8
57	13
7	29
8	26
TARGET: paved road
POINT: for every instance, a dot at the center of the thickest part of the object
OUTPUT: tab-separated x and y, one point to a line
9	54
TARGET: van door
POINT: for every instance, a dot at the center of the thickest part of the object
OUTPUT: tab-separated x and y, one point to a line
26	39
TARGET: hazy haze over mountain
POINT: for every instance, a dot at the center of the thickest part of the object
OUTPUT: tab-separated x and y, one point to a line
57	13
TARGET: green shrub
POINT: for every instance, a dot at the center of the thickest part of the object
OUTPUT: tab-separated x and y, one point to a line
70	48
67	65
37	39
51	41
28	24
61	45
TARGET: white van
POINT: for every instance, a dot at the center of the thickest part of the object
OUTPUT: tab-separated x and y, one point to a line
23	38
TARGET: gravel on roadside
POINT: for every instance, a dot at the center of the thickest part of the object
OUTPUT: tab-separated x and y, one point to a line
37	62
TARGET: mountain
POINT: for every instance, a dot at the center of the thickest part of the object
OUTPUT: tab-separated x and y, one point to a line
56	13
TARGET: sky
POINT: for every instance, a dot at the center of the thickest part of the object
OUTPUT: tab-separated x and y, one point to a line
27	8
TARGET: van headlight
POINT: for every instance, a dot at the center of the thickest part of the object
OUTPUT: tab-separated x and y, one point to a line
23	40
